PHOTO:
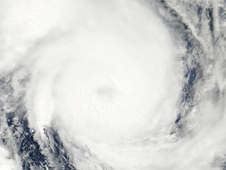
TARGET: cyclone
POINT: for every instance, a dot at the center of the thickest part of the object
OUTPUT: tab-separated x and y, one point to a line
122	84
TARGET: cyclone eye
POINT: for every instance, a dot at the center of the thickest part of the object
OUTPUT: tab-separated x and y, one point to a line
106	92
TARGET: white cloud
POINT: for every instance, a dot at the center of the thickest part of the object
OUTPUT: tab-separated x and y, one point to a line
111	81
5	162
105	74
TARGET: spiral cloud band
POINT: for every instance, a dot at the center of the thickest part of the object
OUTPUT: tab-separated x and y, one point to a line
108	77
111	82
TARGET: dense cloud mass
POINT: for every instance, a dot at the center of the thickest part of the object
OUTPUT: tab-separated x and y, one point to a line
112	85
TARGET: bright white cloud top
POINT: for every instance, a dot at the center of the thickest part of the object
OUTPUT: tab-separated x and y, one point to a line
111	82
107	76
